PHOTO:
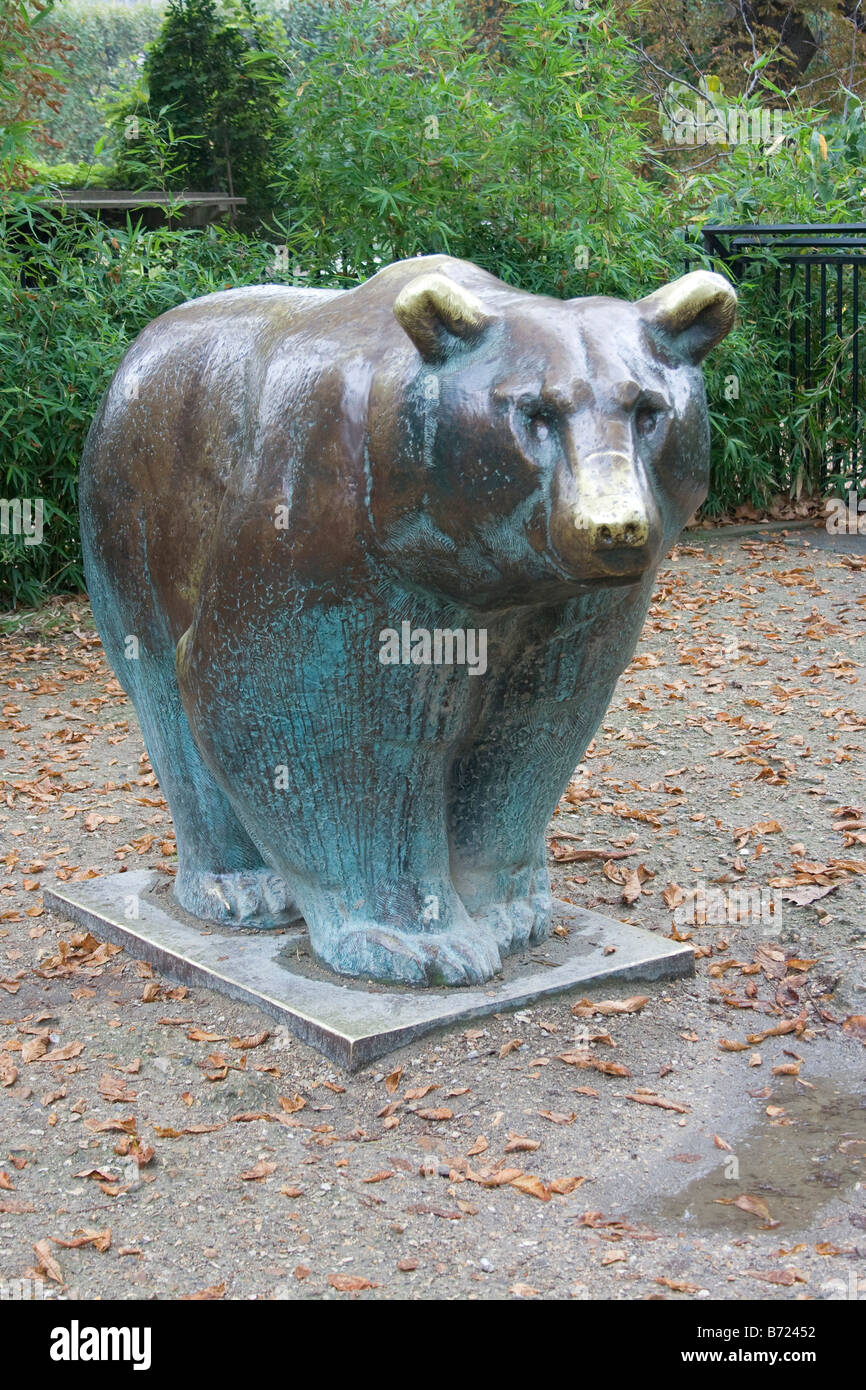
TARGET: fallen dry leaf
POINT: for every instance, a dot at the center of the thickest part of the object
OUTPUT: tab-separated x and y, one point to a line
660	1101
100	1240
678	1285
519	1144
754	1206
532	1186
350	1283
291	1104
259	1170
254	1040
46	1261
585	1008
785	1277
63	1054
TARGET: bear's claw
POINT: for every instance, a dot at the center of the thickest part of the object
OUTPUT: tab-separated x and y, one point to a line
252	898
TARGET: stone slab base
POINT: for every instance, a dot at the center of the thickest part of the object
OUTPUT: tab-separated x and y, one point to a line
351	1022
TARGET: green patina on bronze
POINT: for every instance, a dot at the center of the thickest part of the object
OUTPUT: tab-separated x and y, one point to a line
277	477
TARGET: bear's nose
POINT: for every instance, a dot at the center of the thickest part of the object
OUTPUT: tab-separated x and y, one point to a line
609	510
606	536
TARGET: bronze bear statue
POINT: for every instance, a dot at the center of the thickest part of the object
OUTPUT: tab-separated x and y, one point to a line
369	564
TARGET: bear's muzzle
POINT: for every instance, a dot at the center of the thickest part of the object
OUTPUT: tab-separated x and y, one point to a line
604	523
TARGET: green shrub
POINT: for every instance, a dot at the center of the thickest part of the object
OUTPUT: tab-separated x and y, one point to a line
110	42
73	294
82	175
211	84
408	137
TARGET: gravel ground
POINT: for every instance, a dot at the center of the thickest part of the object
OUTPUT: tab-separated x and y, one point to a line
159	1142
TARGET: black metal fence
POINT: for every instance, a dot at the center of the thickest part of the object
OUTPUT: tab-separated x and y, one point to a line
815	273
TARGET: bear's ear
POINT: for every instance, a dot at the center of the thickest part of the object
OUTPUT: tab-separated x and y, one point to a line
695	312
439	315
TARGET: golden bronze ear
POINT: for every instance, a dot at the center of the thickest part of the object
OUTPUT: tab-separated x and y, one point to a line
696	311
439	314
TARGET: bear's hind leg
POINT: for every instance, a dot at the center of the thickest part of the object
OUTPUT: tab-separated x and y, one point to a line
221	875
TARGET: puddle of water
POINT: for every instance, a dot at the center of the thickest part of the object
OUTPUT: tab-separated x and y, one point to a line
795	1168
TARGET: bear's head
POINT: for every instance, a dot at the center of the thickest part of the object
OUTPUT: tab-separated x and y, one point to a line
543	447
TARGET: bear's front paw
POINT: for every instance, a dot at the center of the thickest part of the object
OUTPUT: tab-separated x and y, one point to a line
515	906
462	956
252	898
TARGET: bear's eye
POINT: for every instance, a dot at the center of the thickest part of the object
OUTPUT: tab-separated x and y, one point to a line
538	422
646	418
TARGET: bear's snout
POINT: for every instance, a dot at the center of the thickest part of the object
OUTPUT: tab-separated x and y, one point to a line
609	508
605	523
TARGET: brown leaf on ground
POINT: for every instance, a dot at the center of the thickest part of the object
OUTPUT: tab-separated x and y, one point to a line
501	1178
855	1026
792	1025
113	1088
754	1206
808	893
585	1008
47	1263
253	1040
563	1186
88	1235
678	1285
126	1126
392	1081
212	1292
785	1277
259	1170
350	1283
291	1104
63	1054
168	1132
532	1186
519	1144
660	1101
